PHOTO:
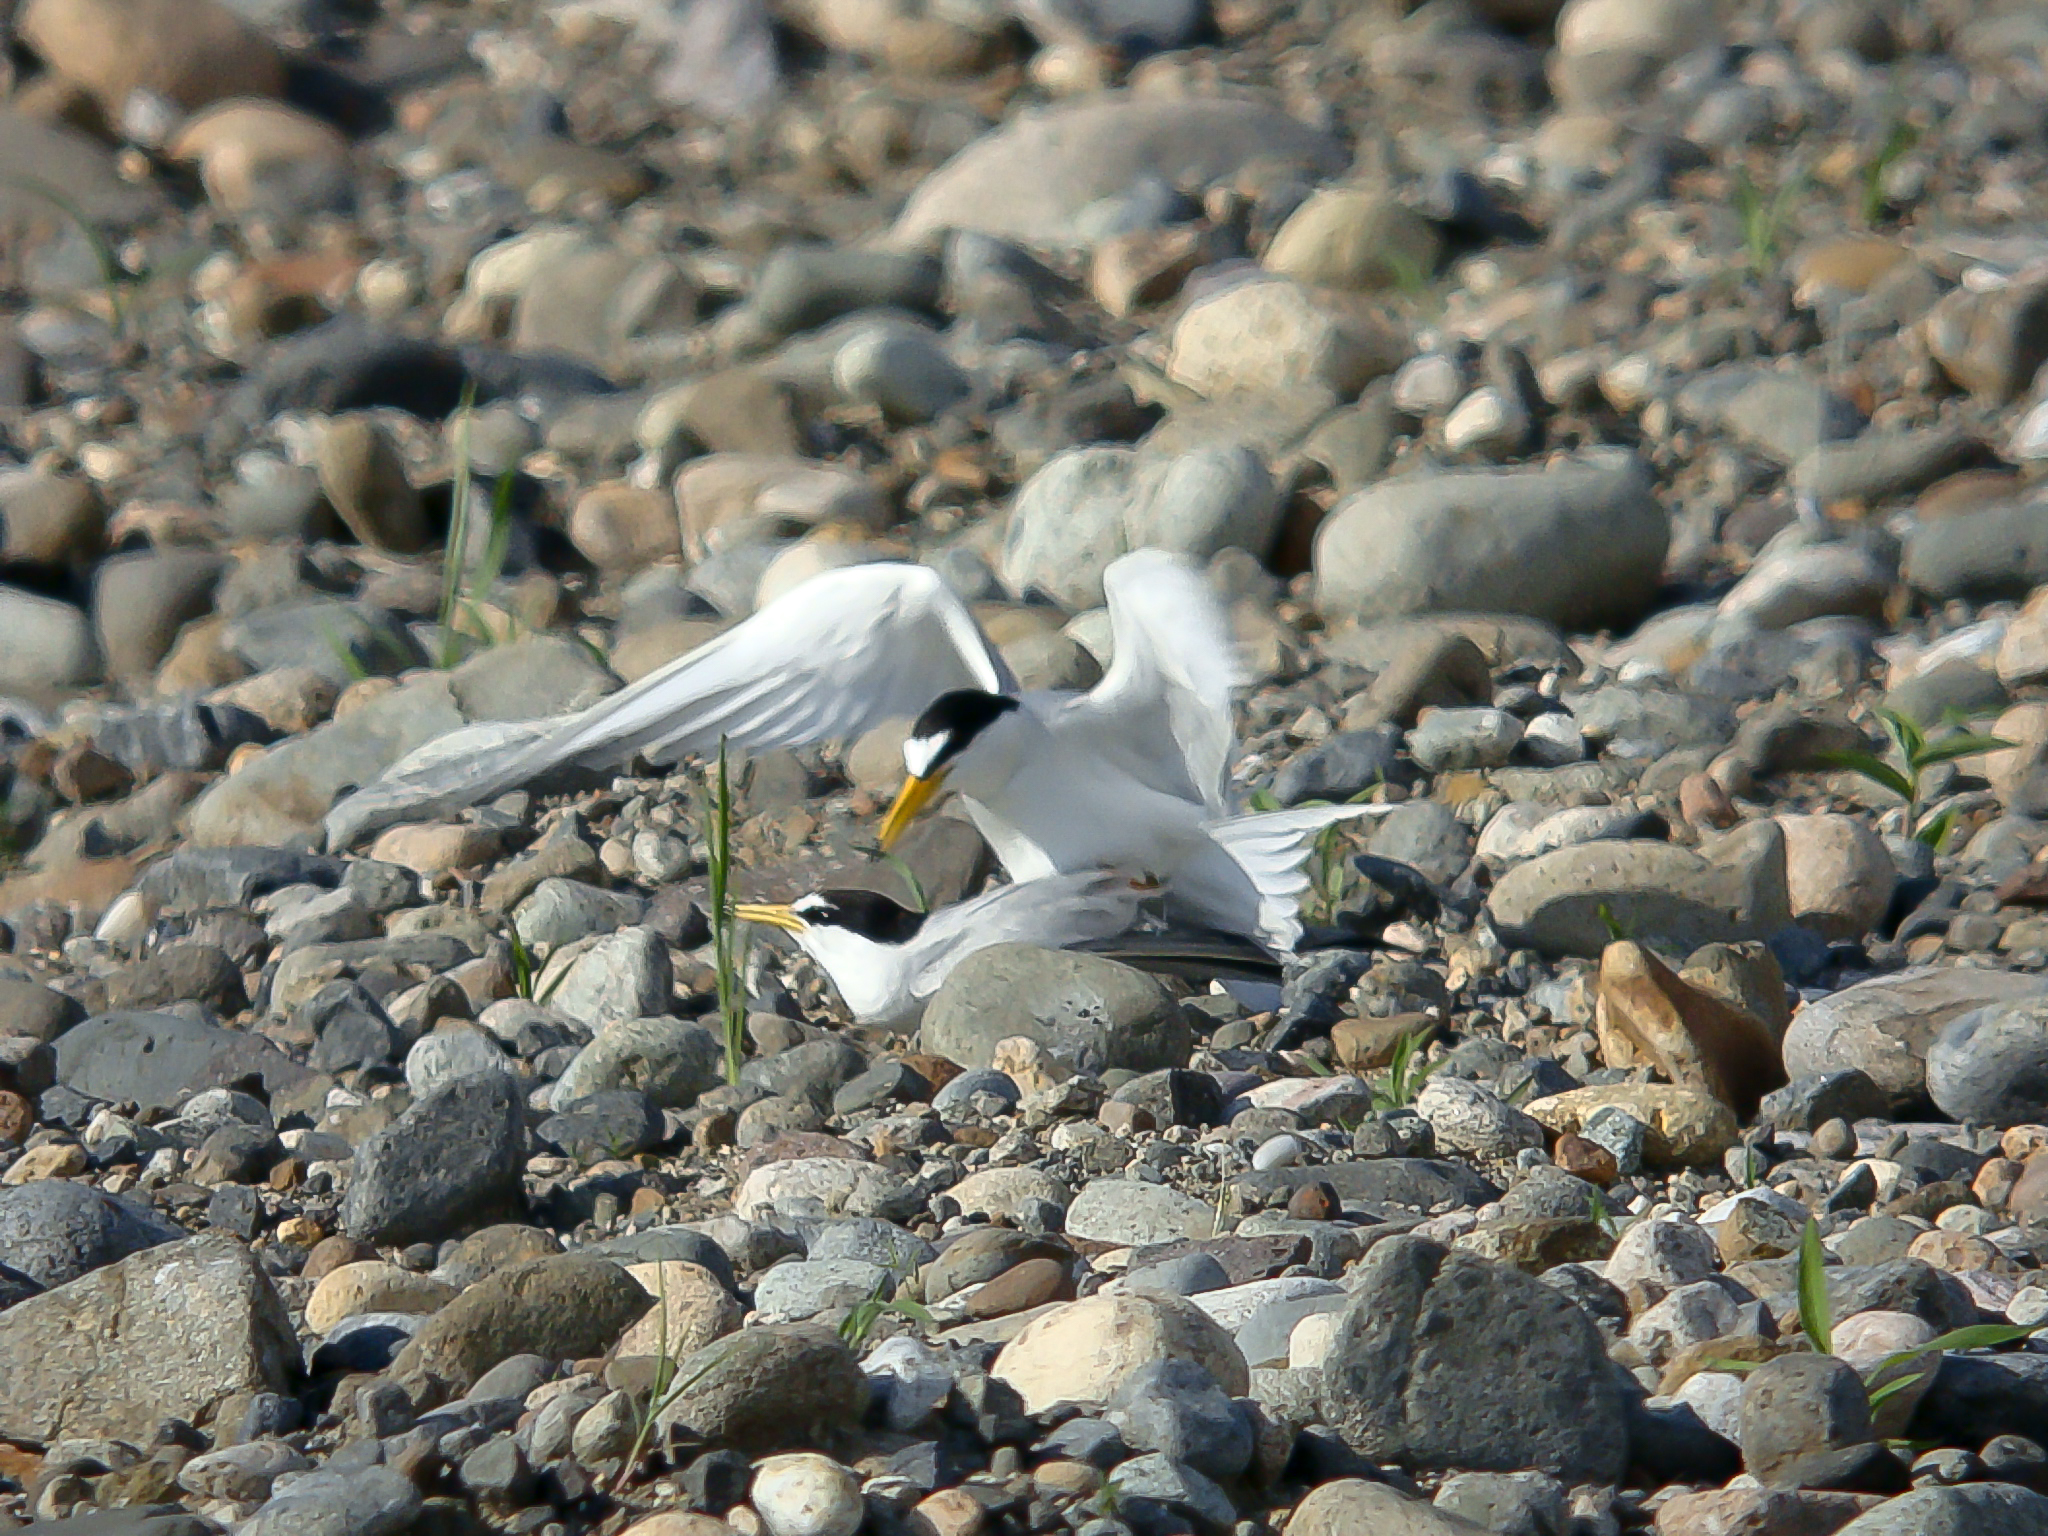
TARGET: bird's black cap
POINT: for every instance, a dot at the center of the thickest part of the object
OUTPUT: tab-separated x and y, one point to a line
867	913
949	723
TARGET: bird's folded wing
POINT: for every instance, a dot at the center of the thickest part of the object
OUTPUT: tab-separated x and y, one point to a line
1163	710
827	660
1052	912
1272	847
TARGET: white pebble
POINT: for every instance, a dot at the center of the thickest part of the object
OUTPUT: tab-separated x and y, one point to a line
805	1494
1282	1151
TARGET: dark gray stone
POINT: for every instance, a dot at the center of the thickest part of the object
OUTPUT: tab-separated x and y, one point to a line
54	1231
193	879
1975	1509
449	1164
157	1059
1342	766
770	1388
617	1123
1808	1103
1413	1182
1175	1407
1798	1404
1446	1360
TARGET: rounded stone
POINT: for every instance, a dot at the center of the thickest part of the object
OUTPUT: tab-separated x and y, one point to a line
1085	1350
1990	1066
805	1494
373	1286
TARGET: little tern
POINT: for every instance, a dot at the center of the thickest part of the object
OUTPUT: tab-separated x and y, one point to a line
1129	775
886	961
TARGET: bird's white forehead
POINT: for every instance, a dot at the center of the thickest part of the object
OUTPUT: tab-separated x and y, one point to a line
811	903
920	752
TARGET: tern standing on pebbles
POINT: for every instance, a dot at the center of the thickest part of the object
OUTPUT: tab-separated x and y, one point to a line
1129	775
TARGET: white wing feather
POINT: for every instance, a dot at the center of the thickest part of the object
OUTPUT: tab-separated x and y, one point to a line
1052	912
827	660
1271	847
1162	711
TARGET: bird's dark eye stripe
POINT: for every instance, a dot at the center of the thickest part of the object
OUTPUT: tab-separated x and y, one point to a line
867	913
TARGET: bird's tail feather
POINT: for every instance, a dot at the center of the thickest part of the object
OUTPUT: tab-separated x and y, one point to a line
1272	848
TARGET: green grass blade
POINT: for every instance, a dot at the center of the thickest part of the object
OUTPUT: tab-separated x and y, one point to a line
456	549
1894	1387
1816	1313
1965	744
1872	767
1934	832
1904	731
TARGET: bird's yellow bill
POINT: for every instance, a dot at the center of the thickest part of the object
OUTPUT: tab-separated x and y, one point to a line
770	916
913	797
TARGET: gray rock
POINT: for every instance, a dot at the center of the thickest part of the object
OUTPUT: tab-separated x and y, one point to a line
900	369
1990	1066
451	1052
1445	1360
1448	740
671	1061
1878	466
1784	415
40	1013
1808	1103
802	287
193	879
451	1163
954	1099
1342	766
53	1231
1175	1408
530	677
562	911
365	1501
806	1287
1966	1511
140	601
616	1123
1411	1183
1655	891
812	1072
1427	836
1158	1490
1087	506
50	644
764	1389
1996	551
1506	1503
156	1059
624	975
563	1307
1033	177
1797	1405
1884	1026
169	1332
1580	543
1091	1012
1132	1213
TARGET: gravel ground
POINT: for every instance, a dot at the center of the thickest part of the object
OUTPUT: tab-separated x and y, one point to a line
1615	431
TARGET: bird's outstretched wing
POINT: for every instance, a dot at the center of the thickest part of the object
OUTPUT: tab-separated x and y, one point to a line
827	660
1052	912
1272	848
1162	710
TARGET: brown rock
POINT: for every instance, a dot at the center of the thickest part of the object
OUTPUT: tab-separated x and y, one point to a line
1994	1183
1959	1253
1366	1045
82	774
1646	1013
1990	343
17	1118
363	474
1761	1512
1704	803
1442	669
1126	1119
1021	1287
1314	1202
50	520
618	526
949	1512
1585	1159
1143	267
254	156
194	52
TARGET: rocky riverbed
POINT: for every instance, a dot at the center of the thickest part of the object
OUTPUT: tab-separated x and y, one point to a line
1615	429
